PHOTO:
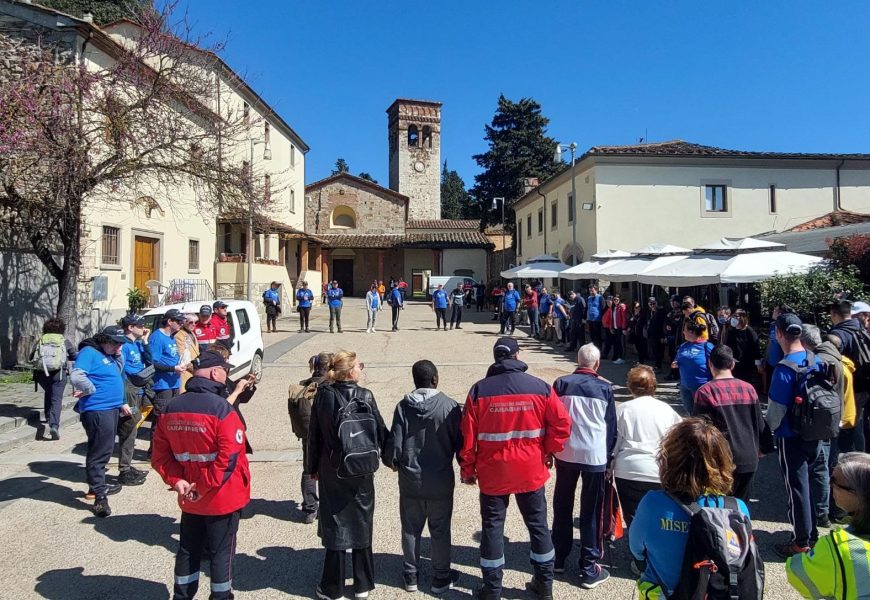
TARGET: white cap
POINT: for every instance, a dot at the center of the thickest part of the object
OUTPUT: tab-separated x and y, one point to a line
860	307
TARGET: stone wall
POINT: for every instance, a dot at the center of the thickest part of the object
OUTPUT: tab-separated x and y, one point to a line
375	213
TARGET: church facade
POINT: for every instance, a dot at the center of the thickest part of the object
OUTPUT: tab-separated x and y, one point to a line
375	233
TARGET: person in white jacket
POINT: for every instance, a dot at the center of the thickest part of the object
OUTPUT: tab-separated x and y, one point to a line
373	305
640	425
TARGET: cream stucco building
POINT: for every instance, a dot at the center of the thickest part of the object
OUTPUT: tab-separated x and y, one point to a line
683	194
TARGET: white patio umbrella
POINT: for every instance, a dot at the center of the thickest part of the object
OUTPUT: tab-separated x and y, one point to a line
537	268
630	269
705	269
590	268
741	245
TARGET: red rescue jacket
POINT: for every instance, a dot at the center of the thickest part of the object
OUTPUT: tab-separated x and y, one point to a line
220	327
511	423
201	439
205	333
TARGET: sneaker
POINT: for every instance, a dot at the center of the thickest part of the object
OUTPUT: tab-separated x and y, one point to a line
140	472
374	330
131	478
789	549
409	582
361	595
101	507
559	567
637	567
320	595
840	517
823	521
54	434
540	590
458	327
309	518
369	330
441	585
590	583
619	361
307	331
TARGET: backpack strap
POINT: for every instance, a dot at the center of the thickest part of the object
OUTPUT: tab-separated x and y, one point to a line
730	502
690	509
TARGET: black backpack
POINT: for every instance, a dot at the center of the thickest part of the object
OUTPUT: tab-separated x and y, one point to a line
710	320
721	560
817	407
861	345
358	452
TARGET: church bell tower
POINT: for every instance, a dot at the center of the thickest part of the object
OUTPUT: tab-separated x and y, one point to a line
414	130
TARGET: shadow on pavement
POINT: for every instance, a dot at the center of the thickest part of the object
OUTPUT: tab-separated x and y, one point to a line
282	510
72	584
148	529
39	488
59	469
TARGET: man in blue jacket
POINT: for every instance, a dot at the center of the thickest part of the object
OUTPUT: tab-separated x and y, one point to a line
594	312
440	300
167	362
334	295
588	398
397	302
138	372
272	300
510	303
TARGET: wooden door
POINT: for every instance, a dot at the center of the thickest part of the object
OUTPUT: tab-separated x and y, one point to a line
145	261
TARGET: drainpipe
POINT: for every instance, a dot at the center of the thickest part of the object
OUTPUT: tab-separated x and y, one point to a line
837	204
544	196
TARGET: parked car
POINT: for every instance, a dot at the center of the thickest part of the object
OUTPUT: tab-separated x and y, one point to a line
247	348
449	282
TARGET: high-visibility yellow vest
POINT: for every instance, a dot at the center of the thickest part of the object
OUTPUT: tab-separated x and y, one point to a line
838	568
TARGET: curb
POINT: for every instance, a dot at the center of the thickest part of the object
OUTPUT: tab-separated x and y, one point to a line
25	433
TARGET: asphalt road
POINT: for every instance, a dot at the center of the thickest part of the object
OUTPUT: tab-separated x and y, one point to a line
55	548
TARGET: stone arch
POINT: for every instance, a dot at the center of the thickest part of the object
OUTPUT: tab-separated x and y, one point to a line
427	137
413	136
572	254
148	205
342	217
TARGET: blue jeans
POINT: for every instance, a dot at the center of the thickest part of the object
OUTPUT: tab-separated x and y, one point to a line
534	322
687	397
820	479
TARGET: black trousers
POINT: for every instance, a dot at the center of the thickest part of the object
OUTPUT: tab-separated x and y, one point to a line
595	332
304	313
271	317
796	458
608	343
308	485
479	302
578	335
656	351
618	344
332	580
630	495
742	487
507	321
591	516
640	346
160	402
456	316
414	513
52	386
440	317
396	311
533	508
214	536
127	439
100	427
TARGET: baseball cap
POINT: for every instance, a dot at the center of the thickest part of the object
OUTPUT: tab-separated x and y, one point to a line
278	283
860	307
505	347
115	333
652	301
173	314
210	359
219	304
205	309
789	323
132	319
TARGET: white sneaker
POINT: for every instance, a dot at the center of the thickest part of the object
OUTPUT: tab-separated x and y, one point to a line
369	330
373	330
619	361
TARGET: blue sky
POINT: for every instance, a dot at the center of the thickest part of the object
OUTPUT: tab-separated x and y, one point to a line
772	75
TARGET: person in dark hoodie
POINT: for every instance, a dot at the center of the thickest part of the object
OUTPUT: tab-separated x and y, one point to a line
845	326
424	440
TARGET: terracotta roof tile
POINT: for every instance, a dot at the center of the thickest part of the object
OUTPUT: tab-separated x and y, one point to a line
683	148
342	240
445	239
443	224
832	219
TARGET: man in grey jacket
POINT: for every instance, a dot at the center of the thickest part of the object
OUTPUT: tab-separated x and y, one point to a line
424	440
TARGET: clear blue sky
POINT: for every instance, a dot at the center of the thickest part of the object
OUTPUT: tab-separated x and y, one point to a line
787	76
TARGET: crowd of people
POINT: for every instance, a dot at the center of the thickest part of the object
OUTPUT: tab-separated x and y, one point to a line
513	430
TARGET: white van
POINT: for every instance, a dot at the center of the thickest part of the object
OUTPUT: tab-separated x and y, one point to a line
449	282
248	347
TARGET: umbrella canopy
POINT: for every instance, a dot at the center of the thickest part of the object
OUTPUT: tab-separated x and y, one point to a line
741	244
705	269
609	254
590	268
537	267
630	268
661	250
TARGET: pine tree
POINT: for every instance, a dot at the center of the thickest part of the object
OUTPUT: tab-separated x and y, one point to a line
518	147
104	11
455	199
341	166
367	176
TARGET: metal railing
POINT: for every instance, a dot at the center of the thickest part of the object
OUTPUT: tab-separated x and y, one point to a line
187	290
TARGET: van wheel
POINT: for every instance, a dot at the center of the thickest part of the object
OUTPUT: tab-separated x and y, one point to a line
257	366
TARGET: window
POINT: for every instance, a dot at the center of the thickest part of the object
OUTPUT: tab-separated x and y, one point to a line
541	221
343	217
427	136
227	238
571	208
554	214
292	200
246	114
267	187
244	321
193	255
292	155
111	246
715	198
519	238
266	131
529	226
772	199
413	136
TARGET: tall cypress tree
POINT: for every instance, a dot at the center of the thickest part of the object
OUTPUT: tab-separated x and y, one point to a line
455	199
518	147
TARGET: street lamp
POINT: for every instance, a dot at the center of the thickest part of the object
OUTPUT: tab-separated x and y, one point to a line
267	155
495	207
557	158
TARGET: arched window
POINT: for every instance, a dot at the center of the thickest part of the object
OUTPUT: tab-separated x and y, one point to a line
342	217
413	135
427	136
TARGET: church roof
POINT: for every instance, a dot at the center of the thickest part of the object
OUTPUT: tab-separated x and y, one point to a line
439	240
358	181
443	224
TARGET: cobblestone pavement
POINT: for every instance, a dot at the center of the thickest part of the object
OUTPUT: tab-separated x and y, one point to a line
56	549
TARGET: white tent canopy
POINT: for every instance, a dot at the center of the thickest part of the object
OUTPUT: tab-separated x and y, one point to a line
590	268
630	269
609	254
661	250
741	245
537	268
706	269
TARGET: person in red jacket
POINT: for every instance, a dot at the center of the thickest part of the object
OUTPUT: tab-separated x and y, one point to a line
204	330
222	329
199	451
512	426
615	324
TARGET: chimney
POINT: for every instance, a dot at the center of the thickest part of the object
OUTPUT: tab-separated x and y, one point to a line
529	183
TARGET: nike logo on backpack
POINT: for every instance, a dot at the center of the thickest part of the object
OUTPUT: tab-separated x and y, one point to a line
353	435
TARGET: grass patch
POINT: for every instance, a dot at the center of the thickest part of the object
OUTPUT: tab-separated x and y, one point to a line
16	377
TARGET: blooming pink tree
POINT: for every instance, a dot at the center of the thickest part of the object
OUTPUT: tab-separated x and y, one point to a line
79	134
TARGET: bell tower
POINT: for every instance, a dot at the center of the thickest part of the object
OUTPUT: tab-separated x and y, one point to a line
414	133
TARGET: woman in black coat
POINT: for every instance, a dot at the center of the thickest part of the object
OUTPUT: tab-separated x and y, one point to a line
347	505
743	341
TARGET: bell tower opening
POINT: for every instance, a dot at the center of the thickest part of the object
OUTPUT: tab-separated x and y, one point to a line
414	135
